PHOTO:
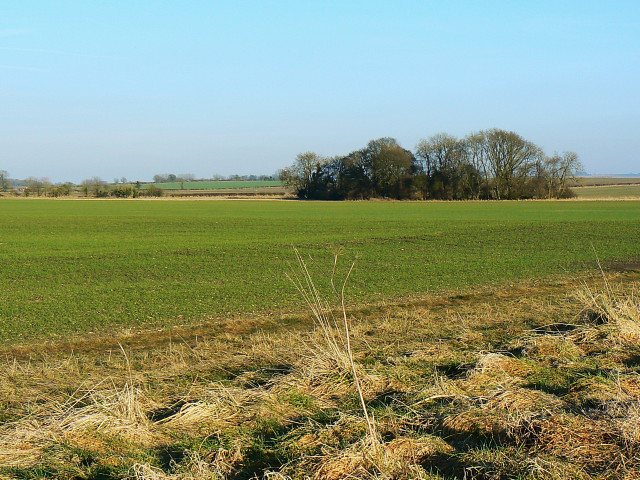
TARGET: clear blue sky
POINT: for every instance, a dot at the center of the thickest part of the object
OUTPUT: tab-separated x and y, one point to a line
133	88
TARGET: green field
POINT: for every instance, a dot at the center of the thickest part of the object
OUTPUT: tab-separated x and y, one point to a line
77	266
592	181
608	191
216	184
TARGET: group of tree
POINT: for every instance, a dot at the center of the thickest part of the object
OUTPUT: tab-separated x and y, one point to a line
90	187
489	164
44	187
96	187
235	176
172	177
190	177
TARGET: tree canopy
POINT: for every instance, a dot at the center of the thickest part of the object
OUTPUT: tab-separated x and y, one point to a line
488	164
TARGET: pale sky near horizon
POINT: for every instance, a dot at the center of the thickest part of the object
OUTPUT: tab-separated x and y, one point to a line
134	88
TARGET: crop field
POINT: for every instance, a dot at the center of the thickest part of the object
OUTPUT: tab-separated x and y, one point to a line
80	266
216	184
608	191
484	341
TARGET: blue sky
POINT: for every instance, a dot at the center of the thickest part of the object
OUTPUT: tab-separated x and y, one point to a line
134	88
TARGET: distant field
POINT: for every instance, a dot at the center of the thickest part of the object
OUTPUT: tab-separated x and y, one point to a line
71	266
275	191
216	184
588	181
608	191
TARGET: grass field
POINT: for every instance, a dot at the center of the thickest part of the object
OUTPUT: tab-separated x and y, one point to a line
216	184
78	266
608	191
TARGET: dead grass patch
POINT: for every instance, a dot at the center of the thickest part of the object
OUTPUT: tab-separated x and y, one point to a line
481	386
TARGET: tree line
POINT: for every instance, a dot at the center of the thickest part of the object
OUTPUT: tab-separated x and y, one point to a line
96	187
190	177
90	187
489	164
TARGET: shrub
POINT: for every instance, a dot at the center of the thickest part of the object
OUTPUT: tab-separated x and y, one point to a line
60	191
153	191
567	193
102	192
124	191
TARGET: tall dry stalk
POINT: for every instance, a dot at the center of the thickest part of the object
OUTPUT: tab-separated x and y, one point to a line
323	316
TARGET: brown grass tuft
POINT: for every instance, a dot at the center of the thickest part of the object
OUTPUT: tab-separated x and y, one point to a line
496	363
195	468
399	459
222	407
21	444
591	443
616	307
117	412
524	401
477	421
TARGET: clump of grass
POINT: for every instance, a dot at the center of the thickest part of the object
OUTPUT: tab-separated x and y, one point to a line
194	467
337	346
85	420
220	407
617	308
120	411
397	459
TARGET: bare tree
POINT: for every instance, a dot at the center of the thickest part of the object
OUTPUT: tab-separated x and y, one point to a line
570	166
300	174
510	158
440	152
476	153
4	180
99	189
46	185
94	185
34	186
441	159
85	186
560	170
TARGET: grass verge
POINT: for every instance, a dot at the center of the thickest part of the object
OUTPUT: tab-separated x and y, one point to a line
523	382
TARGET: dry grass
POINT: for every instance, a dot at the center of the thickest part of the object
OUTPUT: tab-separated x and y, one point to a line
537	382
618	307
